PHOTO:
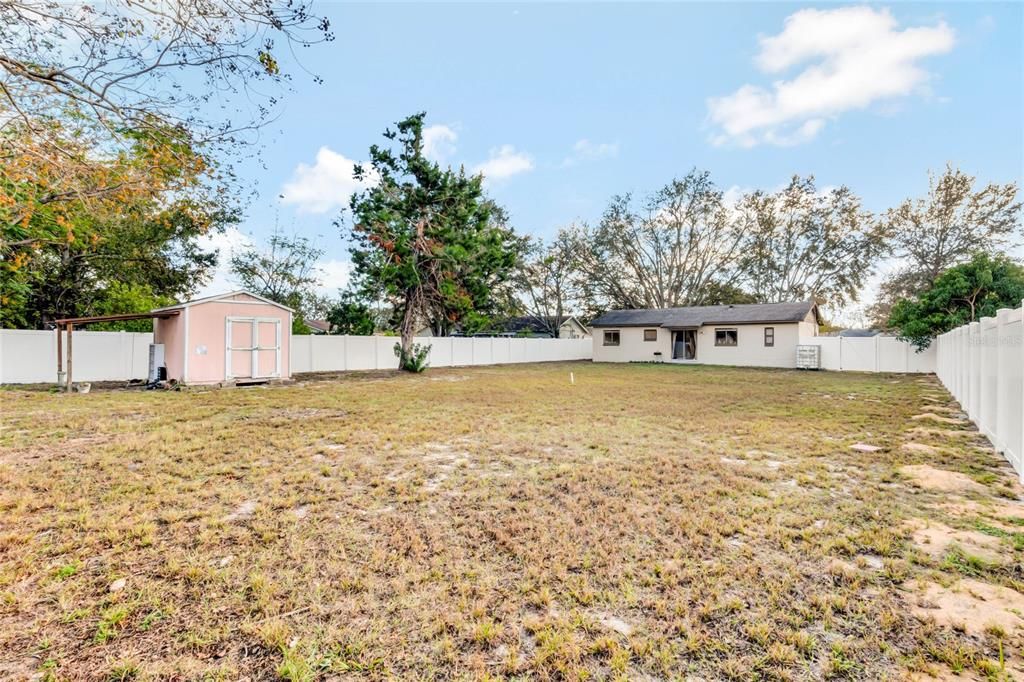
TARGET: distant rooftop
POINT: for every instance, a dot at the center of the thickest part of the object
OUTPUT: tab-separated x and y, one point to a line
854	333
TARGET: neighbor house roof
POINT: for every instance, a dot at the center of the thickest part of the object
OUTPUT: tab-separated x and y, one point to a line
695	316
533	324
854	333
322	326
219	297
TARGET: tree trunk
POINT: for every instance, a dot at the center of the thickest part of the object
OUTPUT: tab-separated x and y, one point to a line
408	327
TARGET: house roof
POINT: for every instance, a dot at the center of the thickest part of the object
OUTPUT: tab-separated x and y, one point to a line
322	326
695	316
218	297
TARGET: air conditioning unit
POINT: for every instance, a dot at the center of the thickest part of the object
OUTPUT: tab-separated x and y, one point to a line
808	357
156	363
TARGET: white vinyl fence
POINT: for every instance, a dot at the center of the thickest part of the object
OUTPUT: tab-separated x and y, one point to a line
982	365
337	353
871	354
30	357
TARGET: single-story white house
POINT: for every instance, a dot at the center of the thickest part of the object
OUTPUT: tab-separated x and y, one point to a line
754	335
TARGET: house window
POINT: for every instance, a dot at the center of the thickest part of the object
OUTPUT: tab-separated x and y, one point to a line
725	337
611	338
769	336
650	335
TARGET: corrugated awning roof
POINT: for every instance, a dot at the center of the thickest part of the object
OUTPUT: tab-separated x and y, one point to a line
117	318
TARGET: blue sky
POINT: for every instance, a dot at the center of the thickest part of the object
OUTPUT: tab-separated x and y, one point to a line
564	105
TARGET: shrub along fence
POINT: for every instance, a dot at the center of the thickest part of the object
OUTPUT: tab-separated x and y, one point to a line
982	365
30	356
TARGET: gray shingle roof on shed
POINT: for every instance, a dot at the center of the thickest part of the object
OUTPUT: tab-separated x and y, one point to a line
695	316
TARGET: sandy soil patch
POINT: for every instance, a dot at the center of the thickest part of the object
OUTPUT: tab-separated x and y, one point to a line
935	539
968	604
941	480
937	418
943	433
943	675
921	448
934	417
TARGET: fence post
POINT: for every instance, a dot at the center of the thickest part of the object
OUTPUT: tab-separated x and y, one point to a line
965	377
972	370
954	361
1000	423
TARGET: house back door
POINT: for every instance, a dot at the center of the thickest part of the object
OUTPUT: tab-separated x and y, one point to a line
690	338
685	346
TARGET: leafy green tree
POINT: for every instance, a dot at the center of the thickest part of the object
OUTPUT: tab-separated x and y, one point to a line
108	119
717	293
285	271
956	220
427	241
120	298
83	81
664	252
351	316
964	293
548	280
802	244
59	247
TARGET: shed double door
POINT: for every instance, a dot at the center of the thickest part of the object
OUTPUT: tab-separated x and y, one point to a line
252	348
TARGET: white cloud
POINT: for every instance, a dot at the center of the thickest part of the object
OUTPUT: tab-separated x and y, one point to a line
851	57
324	186
505	162
224	244
585	150
439	143
333	275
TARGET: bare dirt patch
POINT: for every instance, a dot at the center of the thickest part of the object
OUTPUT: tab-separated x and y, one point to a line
936	539
938	674
943	433
941	480
921	448
969	605
936	418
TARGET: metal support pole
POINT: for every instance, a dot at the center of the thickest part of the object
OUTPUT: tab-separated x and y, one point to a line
70	329
60	356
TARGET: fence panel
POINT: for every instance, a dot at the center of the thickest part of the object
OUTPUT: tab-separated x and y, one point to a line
1011	393
989	336
858	355
462	352
30	356
829	355
982	365
891	354
440	351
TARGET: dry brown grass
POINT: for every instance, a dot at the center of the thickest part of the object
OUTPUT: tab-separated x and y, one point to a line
648	522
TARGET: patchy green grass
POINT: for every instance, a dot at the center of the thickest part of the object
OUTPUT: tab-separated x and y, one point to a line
648	522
